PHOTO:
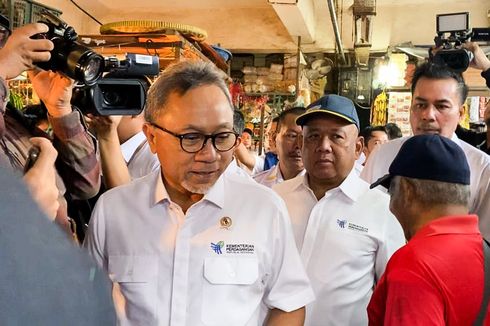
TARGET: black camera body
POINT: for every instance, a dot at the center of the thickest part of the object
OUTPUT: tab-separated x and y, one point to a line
453	30
122	91
69	56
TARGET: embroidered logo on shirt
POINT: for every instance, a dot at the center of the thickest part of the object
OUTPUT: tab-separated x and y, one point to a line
358	228
351	226
217	247
240	248
341	223
232	248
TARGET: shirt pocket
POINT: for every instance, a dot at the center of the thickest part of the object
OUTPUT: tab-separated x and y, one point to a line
135	297
231	290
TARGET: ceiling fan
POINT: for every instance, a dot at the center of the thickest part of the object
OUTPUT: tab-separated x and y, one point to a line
319	68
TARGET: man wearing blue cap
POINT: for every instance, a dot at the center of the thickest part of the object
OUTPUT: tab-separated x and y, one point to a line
344	231
438	96
437	277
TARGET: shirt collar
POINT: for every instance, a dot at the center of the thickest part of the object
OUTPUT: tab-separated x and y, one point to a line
449	225
129	146
350	187
277	174
215	195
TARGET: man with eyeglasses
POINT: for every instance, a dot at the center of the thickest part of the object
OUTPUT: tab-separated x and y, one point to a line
188	244
288	146
344	231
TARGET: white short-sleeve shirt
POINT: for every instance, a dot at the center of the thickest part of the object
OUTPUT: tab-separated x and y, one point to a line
224	262
345	240
380	160
138	156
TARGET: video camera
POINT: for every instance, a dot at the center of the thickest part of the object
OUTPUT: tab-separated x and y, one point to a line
452	31
113	94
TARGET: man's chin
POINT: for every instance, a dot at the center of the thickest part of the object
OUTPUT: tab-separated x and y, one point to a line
197	188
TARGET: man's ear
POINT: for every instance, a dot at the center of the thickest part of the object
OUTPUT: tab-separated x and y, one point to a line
150	136
461	112
359	146
408	191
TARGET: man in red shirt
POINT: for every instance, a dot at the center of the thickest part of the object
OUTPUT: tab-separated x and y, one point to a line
437	278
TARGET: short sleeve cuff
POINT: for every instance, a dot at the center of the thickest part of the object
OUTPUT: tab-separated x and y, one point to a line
67	126
293	302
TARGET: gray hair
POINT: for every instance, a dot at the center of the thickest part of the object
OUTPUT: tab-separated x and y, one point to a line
429	192
181	78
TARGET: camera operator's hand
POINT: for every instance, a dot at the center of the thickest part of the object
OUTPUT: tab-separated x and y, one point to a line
54	89
21	51
114	168
480	61
105	127
41	178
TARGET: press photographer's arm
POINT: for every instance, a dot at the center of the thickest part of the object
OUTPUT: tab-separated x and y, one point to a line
480	60
77	163
16	56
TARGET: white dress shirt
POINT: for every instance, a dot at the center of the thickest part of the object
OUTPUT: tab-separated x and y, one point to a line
271	177
224	262
138	156
380	160
345	240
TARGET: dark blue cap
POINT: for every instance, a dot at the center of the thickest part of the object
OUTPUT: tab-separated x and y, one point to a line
429	157
333	105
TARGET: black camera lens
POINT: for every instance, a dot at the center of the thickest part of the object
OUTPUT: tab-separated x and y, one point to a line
84	65
456	59
113	98
93	69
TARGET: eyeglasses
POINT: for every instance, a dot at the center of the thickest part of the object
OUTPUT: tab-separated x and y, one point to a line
193	142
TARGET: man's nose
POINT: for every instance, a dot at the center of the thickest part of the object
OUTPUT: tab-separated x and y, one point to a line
325	144
208	152
429	113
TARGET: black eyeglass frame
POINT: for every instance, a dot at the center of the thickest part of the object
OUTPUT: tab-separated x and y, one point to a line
181	137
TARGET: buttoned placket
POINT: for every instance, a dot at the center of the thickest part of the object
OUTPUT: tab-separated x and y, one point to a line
178	307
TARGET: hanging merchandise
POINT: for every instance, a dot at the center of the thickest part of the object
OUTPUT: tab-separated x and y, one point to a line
251	107
236	92
379	110
399	110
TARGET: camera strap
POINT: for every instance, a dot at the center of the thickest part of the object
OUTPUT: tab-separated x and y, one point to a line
486	281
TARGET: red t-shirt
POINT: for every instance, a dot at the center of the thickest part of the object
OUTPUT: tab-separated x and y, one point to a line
435	279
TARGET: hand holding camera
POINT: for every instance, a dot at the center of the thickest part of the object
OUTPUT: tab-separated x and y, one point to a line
480	60
452	41
54	89
21	51
41	177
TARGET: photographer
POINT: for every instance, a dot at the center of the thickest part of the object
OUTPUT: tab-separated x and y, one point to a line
481	62
76	166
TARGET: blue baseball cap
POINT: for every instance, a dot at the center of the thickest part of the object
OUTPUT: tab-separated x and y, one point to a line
429	157
333	105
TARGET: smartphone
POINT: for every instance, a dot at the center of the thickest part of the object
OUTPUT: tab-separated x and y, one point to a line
32	157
